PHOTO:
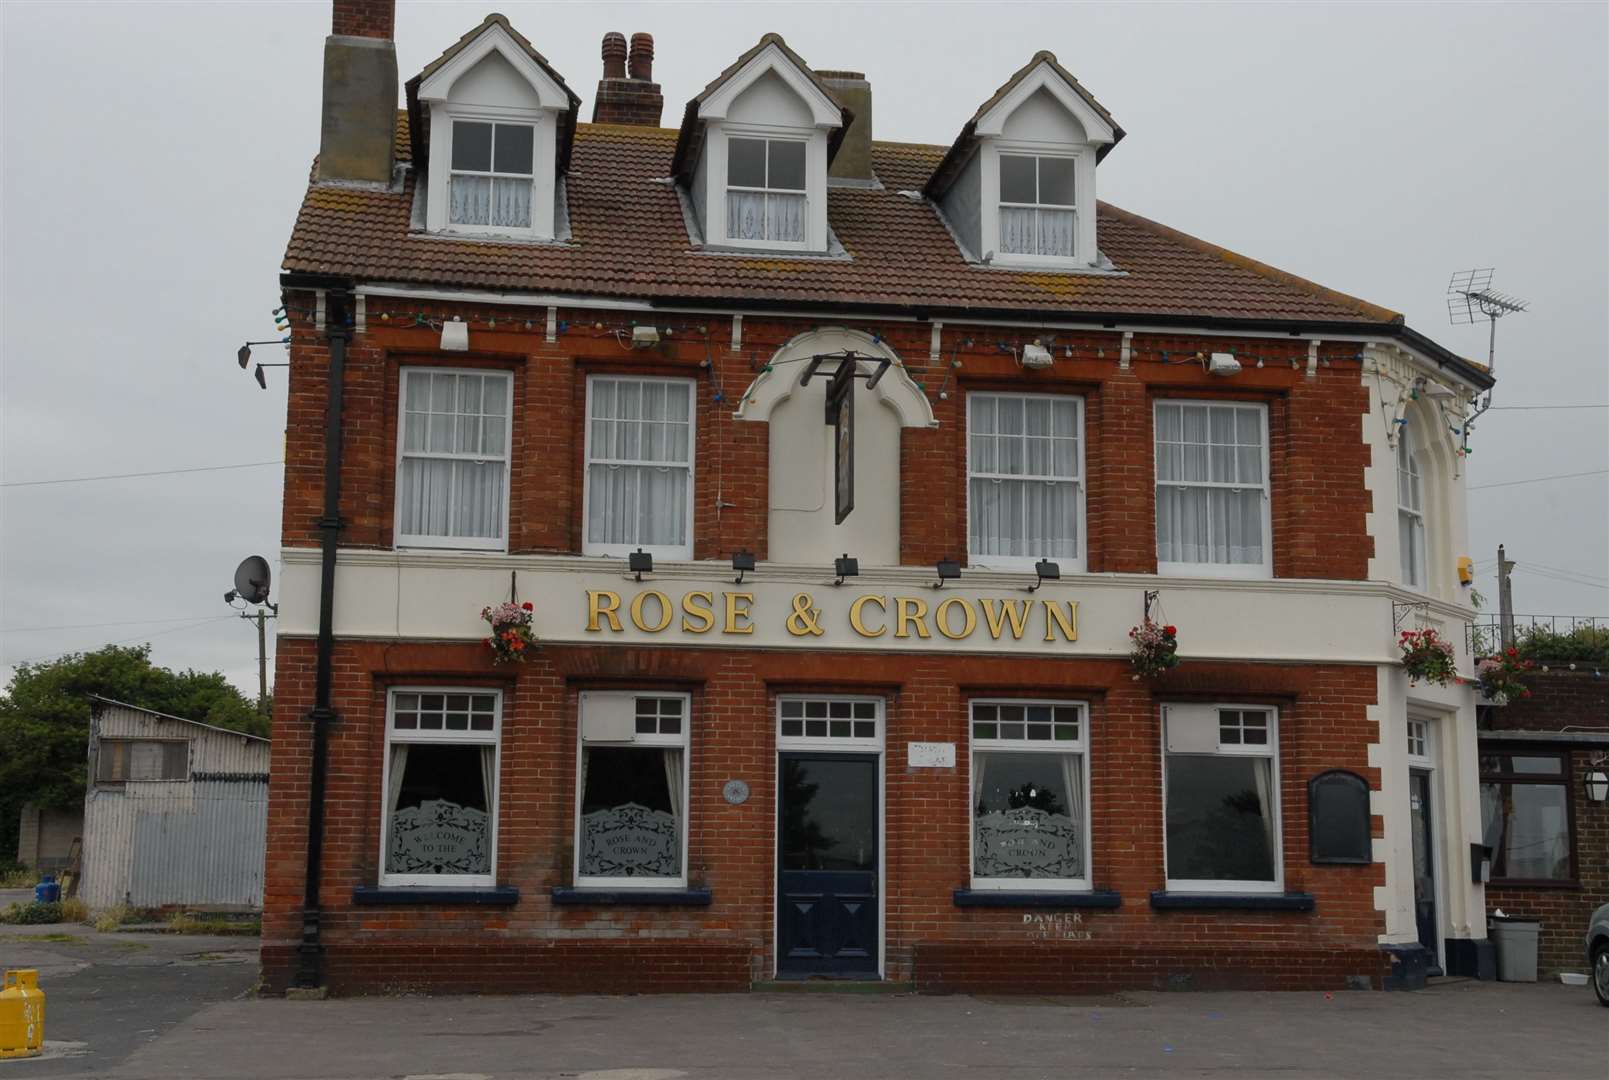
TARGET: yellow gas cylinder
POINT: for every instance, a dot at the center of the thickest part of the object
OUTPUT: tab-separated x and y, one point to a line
22	1015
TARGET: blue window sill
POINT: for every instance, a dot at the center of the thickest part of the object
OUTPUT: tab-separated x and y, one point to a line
1003	898
564	894
486	896
1174	901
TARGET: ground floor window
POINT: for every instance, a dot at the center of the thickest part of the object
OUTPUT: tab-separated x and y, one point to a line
1221	787
1525	814
631	818
1030	826
439	824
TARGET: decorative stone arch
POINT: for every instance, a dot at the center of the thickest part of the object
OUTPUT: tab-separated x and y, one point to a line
782	374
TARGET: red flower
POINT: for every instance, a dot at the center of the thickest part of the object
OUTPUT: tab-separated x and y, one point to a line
527	606
1170	630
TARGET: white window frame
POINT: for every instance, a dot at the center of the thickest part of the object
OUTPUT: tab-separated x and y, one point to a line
679	552
1084	253
683	742
454	543
1026	562
1263	569
815	189
767	137
1080	746
1271	751
1419	742
848	744
439	195
458	115
1037	151
440	738
1412	523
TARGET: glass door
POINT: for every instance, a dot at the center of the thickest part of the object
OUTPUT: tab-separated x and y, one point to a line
827	919
1424	864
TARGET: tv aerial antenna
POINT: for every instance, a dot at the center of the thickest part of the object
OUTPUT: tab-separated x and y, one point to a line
1471	298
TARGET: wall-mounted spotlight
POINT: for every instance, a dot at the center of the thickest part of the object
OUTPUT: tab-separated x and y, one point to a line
1045	570
743	563
640	562
455	336
244	356
845	566
948	570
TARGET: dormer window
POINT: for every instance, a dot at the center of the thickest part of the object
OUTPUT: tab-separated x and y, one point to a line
765	190
1037	208
491	174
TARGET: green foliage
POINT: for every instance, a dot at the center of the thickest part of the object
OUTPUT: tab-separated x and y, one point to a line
32	913
13	876
44	719
1583	645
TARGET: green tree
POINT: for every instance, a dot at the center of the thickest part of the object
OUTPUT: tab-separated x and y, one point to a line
44	720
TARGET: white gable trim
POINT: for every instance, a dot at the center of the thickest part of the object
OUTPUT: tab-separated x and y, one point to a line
439	86
781	375
1044	77
824	111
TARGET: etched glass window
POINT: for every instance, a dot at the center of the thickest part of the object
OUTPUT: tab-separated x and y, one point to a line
1211	487
640	466
1025	477
765	190
1221	791
492	169
1037	215
631	821
440	787
452	469
1030	821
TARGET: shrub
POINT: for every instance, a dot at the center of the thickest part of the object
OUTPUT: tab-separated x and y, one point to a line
32	913
74	910
15	876
110	919
1583	644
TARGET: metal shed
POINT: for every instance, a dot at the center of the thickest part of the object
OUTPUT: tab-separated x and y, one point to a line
175	812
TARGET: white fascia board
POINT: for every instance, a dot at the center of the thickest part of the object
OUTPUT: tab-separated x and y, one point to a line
440	84
1044	77
824	111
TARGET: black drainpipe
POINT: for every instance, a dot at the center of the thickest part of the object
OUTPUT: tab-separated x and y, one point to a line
310	968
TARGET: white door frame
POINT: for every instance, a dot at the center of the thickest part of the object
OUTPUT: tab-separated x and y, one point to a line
1429	762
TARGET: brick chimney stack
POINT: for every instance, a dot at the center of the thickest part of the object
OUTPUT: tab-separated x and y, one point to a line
359	121
624	98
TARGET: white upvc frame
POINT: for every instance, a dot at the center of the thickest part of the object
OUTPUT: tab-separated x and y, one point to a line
1424	758
1081	747
1270	751
1412	522
492	738
767	191
403	540
1036	153
1026	562
1084	242
1263	569
715	186
643	741
659	551
461	116
789	744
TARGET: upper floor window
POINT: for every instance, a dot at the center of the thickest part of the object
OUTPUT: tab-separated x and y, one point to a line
452	459
765	190
639	485
1221	798
1410	515
1025	488
492	171
1212	514
1037	205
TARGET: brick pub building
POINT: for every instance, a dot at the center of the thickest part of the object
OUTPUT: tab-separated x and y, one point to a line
586	366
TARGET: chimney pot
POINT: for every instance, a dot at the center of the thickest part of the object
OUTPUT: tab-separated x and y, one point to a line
614	55
642	57
359	119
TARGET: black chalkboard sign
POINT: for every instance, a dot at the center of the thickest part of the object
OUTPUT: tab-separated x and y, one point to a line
1338	818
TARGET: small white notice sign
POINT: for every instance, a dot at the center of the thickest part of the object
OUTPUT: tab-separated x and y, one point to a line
930	755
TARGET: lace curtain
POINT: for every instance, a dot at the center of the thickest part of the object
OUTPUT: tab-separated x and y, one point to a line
640	458
760	215
487	200
454	455
1218	448
1025	469
1027	230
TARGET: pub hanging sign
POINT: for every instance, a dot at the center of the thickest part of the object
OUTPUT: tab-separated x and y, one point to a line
840	415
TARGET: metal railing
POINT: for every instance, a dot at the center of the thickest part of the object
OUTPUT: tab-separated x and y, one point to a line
1484	637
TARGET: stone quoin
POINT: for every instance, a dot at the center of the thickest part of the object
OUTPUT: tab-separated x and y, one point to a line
584	367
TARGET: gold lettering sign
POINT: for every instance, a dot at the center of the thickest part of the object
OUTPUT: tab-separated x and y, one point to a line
955	618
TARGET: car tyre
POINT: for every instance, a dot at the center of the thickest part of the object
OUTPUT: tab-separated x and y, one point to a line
1600	972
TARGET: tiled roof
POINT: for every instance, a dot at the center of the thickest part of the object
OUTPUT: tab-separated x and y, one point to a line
629	240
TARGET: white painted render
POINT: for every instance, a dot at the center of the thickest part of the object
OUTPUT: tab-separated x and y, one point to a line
770	101
1041	118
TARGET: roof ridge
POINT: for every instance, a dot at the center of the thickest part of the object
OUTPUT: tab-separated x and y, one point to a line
1246	262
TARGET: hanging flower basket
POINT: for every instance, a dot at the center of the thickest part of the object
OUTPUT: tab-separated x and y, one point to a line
511	639
1156	649
1499	677
1428	657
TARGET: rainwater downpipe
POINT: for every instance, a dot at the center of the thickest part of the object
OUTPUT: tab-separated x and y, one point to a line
310	967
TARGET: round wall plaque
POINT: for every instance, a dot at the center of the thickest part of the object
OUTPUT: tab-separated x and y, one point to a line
736	792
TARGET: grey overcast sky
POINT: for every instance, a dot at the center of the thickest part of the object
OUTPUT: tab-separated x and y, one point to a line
155	154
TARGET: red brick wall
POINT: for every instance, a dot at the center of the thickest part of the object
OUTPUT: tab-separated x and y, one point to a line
364	18
1317	453
537	945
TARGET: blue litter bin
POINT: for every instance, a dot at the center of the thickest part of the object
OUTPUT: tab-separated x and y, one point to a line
48	891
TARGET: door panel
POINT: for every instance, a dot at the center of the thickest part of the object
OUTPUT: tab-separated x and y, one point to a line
1424	864
827	921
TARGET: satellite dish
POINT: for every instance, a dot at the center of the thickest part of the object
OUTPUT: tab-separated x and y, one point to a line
252	578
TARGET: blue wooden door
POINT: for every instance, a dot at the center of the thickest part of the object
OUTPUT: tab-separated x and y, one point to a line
827	919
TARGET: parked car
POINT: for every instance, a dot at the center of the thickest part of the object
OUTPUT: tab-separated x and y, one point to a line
1598	953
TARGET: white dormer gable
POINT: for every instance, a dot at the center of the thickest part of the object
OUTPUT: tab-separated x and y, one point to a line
495	115
761	178
1022	192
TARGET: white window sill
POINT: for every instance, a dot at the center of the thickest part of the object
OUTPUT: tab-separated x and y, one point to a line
1230	571
448	545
